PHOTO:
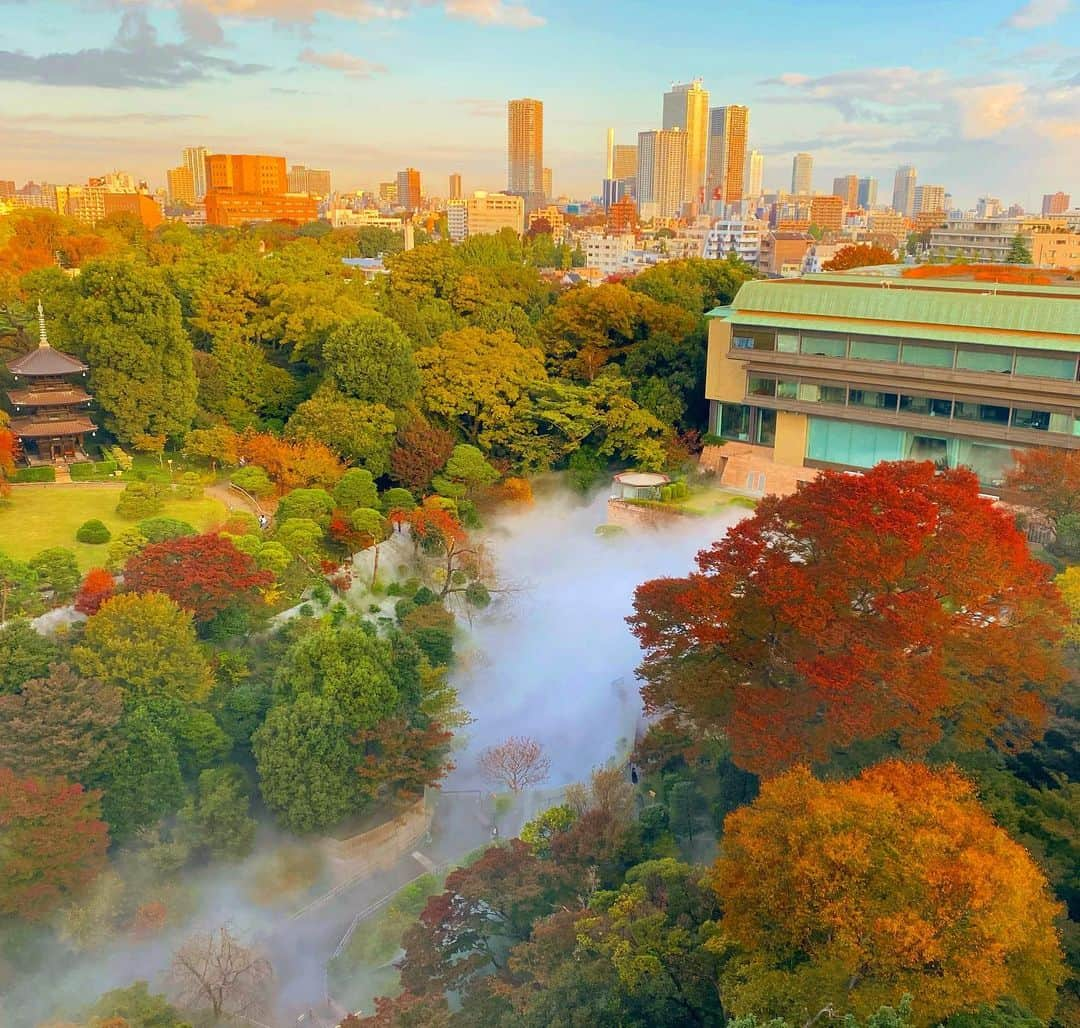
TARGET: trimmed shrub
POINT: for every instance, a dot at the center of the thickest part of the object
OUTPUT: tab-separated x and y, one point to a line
140	500
89	471
157	530
44	474
356	489
667	494
252	479
190	486
397	499
423	596
94	532
314	504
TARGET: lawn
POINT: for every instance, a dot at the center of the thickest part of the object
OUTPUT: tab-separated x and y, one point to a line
40	516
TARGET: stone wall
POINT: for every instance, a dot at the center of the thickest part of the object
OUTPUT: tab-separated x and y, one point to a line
380	847
630	515
752	469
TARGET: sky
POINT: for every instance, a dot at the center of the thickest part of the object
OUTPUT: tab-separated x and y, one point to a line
983	98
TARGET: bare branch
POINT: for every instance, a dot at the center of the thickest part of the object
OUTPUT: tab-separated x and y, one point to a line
517	763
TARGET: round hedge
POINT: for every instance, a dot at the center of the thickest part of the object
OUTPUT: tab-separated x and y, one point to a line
94	532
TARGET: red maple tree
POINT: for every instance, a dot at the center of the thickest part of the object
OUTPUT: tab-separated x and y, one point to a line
54	843
891	603
420	451
1048	478
204	574
7	460
96	588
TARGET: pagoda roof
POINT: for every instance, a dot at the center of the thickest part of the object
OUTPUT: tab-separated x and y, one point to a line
36	428
44	360
48	397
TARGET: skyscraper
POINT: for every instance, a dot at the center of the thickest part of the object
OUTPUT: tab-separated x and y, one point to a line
181	185
623	161
847	188
194	159
802	174
903	190
755	174
929	199
725	174
609	155
1055	203
867	193
408	189
661	173
455	186
525	151
545	179
686	107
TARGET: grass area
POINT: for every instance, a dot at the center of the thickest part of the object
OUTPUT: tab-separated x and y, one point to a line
712	500
39	516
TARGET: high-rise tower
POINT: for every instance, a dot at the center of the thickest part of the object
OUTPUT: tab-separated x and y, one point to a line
194	159
686	107
802	174
661	173
727	165
525	151
903	193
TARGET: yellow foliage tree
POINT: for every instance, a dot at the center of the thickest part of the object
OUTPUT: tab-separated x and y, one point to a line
1068	583
854	893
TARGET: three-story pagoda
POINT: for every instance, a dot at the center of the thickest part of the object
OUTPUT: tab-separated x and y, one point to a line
50	418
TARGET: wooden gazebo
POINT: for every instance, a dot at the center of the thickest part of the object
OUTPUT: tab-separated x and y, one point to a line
50	419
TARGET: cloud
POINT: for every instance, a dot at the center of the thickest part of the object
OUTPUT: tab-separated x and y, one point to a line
480	108
494	12
337	60
1037	13
485	12
987	111
135	60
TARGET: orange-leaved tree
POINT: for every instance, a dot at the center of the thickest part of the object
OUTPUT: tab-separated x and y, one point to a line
1049	480
860	255
7	460
887	605
854	893
98	586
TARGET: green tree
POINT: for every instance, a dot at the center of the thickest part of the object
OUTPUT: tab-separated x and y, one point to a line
307	765
144	645
138	1007
140	778
356	489
1019	251
24	654
466	473
370	359
217	820
18	588
57	571
142	371
314	504
358	431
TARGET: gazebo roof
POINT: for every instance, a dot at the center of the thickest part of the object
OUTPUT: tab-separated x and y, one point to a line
641	479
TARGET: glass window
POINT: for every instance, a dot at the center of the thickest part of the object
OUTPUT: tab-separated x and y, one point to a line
928	406
765	432
757	386
990	413
874	350
989	462
872	398
924	355
927	447
845	442
810	392
787	342
787	390
1023	417
1046	367
742	342
734	421
1066	424
999	361
824	346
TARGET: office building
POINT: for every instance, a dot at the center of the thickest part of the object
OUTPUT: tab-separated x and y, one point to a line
455	186
408	189
867	196
903	194
457	220
1051	243
686	108
548	219
624	161
143	207
827	212
755	174
929	199
802	174
181	185
7	188
252	187
489	213
988	207
525	151
388	193
622	216
661	173
847	188
837	372
738	237
546	181
194	159
312	181
726	167
1055	203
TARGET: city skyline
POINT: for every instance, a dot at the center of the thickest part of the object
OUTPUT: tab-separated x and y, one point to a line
136	85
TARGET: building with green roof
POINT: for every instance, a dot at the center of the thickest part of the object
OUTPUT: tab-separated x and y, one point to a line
846	370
